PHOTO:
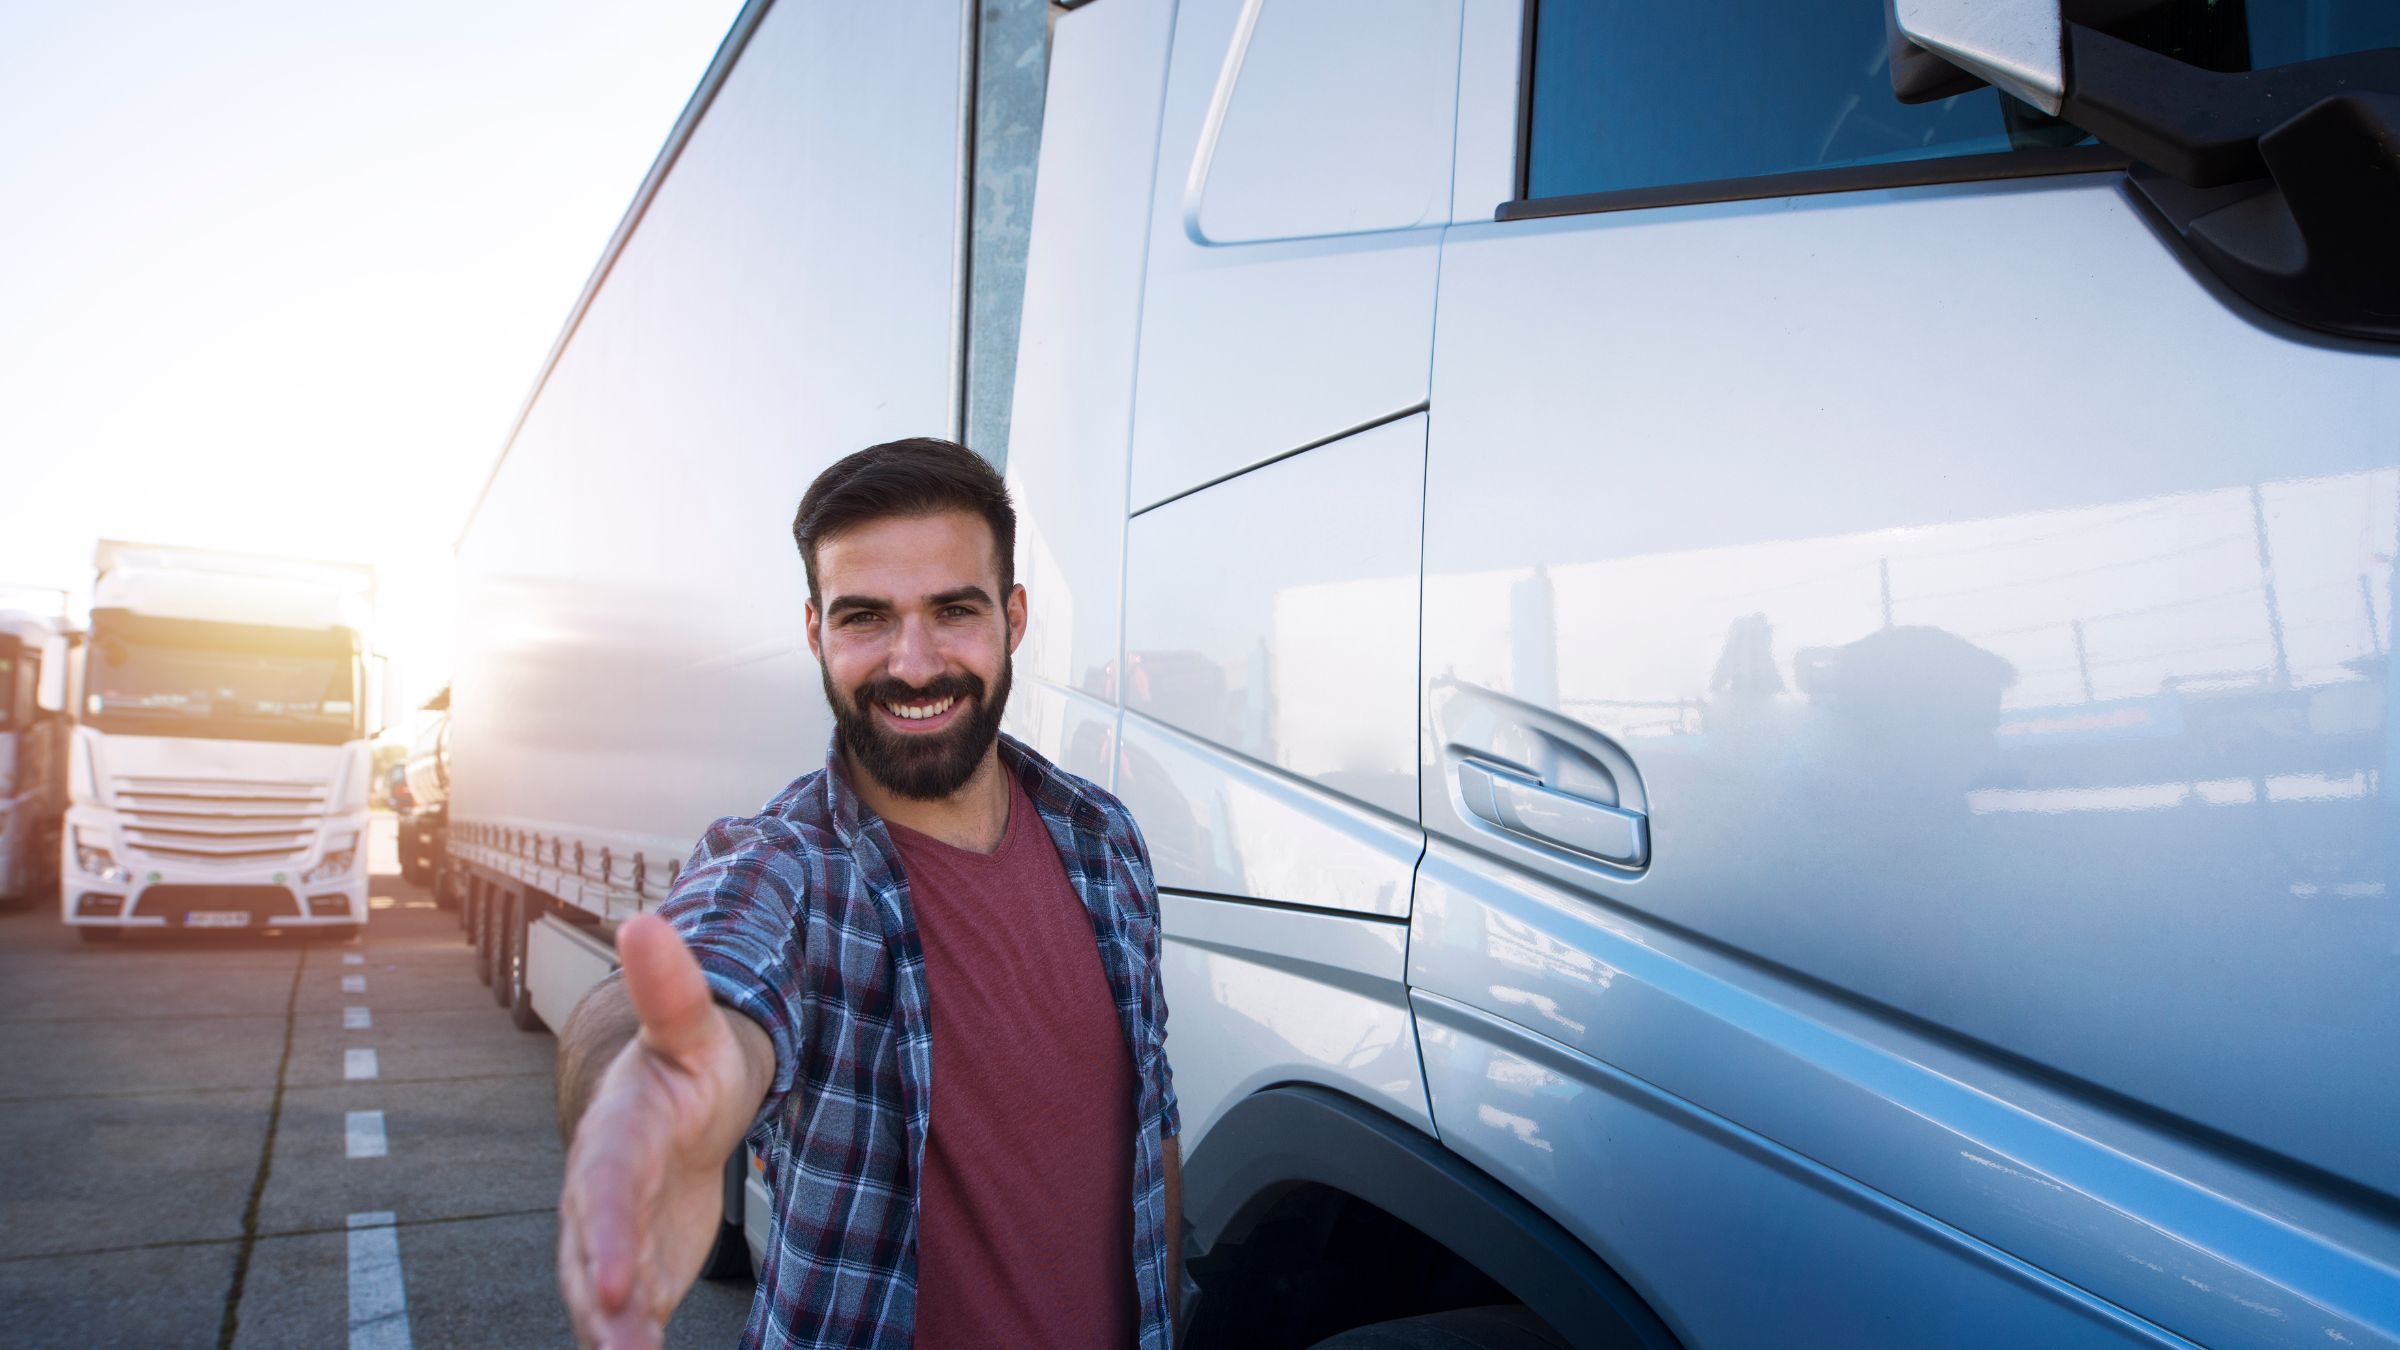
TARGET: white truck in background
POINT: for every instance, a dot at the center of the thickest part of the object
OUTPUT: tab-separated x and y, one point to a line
220	761
33	661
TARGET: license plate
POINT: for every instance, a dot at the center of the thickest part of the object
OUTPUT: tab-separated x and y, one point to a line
217	918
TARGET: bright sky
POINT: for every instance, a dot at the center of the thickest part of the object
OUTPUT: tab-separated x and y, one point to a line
279	273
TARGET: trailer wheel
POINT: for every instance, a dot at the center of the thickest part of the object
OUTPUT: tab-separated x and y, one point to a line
520	999
497	935
479	931
729	1259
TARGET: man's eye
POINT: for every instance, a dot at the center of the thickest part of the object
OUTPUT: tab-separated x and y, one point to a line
959	612
858	618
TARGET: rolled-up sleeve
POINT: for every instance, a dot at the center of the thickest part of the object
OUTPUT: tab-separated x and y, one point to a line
738	904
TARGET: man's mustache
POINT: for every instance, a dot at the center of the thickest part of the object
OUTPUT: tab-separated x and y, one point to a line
888	690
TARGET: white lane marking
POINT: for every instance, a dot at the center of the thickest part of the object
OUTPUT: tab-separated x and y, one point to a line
357	1019
362	1133
354	984
378	1296
354	958
357	1063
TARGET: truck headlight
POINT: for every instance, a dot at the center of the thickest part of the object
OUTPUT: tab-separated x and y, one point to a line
337	861
96	862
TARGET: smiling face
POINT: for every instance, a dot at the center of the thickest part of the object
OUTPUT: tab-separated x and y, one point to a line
914	639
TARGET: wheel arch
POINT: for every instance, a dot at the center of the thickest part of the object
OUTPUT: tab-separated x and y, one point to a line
1285	1140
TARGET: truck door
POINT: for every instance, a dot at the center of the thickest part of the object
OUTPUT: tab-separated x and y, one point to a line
1276	478
1894	621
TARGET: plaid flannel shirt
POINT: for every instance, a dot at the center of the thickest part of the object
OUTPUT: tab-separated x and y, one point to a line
800	918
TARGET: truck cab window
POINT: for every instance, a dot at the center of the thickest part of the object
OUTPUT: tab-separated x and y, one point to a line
1633	95
157	681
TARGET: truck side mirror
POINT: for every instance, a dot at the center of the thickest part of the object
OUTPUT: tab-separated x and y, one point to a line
384	695
1946	47
2284	182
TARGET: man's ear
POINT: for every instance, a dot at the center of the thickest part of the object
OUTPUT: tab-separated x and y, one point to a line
1015	609
814	623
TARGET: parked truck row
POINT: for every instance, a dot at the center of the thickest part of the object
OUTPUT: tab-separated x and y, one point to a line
1758	674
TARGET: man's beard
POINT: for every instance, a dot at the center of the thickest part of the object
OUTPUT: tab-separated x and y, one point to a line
924	768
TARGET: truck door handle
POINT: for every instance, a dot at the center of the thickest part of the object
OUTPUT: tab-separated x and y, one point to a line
1523	806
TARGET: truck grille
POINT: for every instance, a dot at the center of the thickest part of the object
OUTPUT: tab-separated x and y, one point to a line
176	903
209	820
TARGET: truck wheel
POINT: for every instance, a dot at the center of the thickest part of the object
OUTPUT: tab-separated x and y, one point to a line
499	909
730	1258
1508	1327
479	932
520	999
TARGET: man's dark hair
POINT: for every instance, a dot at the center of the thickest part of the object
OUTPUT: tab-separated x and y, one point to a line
915	477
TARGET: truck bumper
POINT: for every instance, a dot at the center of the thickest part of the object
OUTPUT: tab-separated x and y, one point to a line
214	902
145	893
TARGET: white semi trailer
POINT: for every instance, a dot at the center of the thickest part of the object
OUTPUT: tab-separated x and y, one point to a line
789	285
220	761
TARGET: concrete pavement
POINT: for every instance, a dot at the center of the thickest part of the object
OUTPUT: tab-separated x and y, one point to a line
174	1165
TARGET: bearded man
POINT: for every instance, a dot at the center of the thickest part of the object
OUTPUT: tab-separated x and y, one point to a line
938	905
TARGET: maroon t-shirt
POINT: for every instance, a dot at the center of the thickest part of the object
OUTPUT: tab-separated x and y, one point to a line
1025	1211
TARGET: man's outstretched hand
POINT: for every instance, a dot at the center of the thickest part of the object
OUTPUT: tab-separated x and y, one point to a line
657	1085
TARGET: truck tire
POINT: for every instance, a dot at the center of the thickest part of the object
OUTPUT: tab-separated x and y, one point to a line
729	1259
1506	1327
479	932
520	999
499	909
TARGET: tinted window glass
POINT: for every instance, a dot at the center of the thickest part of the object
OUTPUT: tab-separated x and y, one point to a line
1637	94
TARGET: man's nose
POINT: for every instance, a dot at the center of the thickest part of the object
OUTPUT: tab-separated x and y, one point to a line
914	659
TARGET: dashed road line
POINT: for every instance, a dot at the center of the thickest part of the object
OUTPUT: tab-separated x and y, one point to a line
378	1296
354	984
357	1019
359	1063
362	1135
354	958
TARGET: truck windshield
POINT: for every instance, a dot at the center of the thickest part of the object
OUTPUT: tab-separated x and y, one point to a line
235	687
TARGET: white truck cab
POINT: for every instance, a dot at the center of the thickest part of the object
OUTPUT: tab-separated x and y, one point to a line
219	768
